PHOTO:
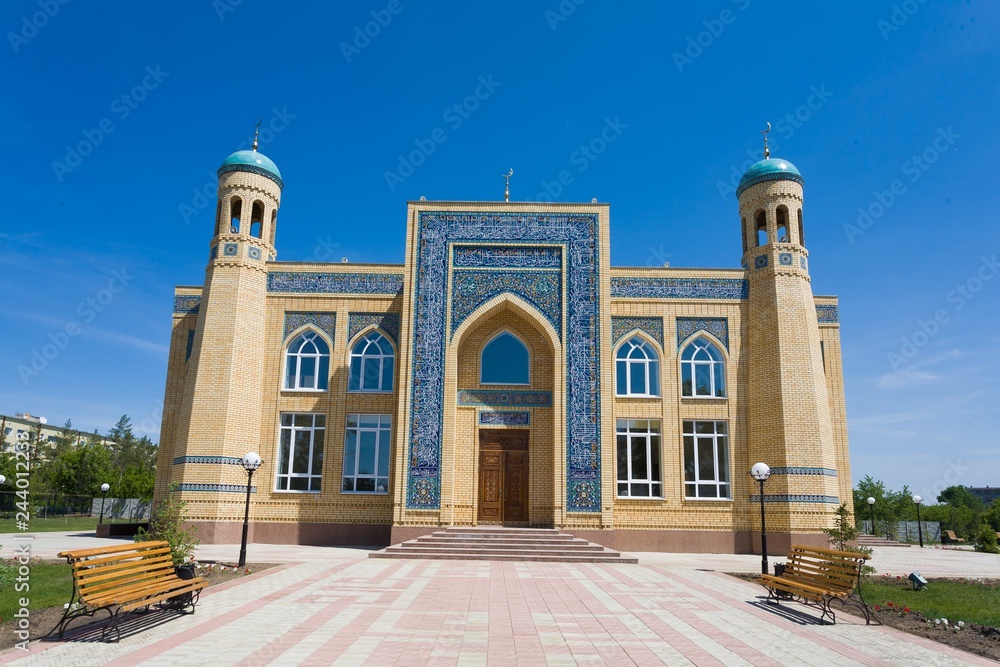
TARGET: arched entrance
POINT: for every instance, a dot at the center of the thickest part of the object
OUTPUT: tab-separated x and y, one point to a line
503	477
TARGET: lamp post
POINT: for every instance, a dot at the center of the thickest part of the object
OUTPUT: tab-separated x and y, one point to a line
871	508
104	492
251	461
760	472
3	480
920	529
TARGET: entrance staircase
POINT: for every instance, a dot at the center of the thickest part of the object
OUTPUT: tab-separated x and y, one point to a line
498	543
872	541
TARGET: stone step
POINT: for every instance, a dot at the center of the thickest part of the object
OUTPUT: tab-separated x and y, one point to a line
465	539
872	541
562	558
494	548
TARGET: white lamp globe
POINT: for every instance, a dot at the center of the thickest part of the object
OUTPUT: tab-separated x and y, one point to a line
760	471
251	460
105	487
871	501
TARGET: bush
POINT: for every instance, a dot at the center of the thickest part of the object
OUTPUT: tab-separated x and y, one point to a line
168	524
843	532
986	539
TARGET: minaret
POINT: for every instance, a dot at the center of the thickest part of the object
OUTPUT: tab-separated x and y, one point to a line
788	413
221	413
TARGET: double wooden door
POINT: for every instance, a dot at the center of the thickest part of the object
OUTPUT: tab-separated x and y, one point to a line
503	477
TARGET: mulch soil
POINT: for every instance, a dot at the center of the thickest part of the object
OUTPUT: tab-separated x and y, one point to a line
44	620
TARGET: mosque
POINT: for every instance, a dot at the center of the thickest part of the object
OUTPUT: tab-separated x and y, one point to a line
506	374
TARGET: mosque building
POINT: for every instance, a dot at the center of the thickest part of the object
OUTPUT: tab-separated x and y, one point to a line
506	374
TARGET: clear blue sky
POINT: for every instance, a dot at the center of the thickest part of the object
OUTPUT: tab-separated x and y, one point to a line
115	119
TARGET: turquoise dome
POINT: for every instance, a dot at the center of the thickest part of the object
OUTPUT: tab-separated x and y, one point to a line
254	163
770	169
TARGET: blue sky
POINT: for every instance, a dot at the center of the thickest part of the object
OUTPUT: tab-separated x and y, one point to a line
116	117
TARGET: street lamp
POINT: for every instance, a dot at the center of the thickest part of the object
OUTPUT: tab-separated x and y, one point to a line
251	461
104	492
871	507
760	472
920	529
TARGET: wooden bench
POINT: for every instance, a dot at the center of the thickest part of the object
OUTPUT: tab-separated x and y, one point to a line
949	537
123	579
818	576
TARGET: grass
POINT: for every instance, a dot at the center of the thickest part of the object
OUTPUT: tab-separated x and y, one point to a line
971	601
49	585
40	525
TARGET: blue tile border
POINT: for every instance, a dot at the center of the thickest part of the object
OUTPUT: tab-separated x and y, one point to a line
472	288
225	460
230	249
221	488
502	397
326	322
760	262
829	472
335	283
386	322
680	288
509	257
504	418
792	498
717	326
187	304
622	326
828	314
785	259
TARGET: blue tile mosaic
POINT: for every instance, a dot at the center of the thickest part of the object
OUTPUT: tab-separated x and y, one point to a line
828	314
785	258
829	472
502	397
509	257
472	288
802	263
253	252
214	253
386	322
187	304
326	322
504	418
792	498
221	488
679	288
717	326
760	262
623	326
190	345
436	231
230	249
215	460
335	283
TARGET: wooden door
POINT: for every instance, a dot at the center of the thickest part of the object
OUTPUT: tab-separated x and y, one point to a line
503	477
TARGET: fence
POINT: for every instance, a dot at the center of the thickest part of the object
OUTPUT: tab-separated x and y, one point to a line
51	505
128	509
903	531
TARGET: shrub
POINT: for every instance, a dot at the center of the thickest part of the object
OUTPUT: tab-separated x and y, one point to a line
986	539
168	524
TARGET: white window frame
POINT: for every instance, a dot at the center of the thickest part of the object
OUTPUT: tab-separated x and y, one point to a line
646	434
365	341
650	366
317	425
716	369
482	352
296	357
717	439
383	439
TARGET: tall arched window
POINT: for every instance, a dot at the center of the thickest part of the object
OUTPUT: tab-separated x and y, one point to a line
637	369
257	219
307	363
274	223
505	360
703	370
235	211
782	224
802	237
743	226
372	360
761	227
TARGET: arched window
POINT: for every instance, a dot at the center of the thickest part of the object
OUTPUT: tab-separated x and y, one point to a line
782	224
307	363
371	364
703	370
235	211
637	369
505	360
257	219
218	218
743	226
802	236
761	227
274	222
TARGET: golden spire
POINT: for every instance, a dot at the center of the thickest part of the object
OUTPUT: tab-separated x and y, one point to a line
506	178
256	132
767	151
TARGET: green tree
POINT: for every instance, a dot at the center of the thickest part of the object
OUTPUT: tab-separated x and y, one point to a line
959	496
133	461
986	539
82	470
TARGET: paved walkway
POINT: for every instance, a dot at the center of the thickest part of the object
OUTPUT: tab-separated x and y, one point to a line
346	609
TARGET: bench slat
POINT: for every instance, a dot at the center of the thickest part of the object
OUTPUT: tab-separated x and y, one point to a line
124	566
117	558
86	553
139	593
99	592
197	586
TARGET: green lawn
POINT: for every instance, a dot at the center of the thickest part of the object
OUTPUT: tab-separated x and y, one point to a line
49	585
957	601
40	525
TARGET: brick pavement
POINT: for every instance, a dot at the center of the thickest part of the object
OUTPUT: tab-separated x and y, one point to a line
350	610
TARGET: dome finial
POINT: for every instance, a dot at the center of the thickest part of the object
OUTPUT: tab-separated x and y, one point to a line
767	151
506	189
256	132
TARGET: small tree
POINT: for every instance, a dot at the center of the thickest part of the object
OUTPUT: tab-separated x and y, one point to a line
986	539
168	524
843	532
